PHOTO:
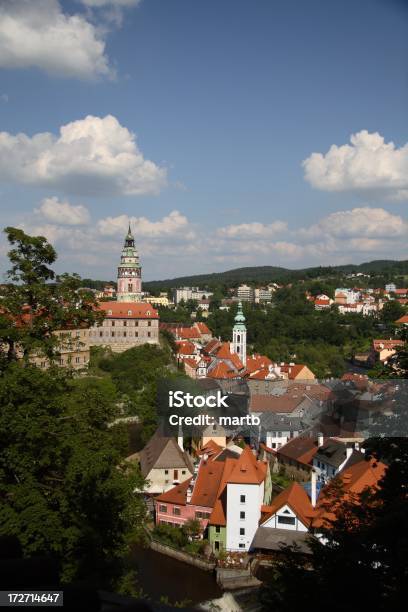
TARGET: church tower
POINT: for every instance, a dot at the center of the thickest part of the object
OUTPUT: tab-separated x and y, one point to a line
239	335
129	272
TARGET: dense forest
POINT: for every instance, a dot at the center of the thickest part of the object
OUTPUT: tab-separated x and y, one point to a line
264	274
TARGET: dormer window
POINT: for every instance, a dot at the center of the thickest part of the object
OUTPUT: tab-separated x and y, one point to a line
109	312
148	313
129	312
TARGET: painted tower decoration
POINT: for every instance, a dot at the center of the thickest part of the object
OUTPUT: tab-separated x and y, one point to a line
129	272
239	332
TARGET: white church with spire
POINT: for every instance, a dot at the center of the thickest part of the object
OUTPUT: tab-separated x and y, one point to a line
129	272
239	335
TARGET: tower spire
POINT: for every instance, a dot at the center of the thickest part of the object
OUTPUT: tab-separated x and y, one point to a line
239	332
129	272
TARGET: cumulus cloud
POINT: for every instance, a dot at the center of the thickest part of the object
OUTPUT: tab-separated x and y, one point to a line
63	213
174	222
91	156
361	223
254	229
39	34
368	164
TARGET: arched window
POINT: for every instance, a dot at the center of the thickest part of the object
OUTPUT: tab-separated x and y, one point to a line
129	312
238	338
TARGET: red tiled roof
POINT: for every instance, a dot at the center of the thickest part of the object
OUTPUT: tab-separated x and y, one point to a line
257	362
128	310
202	327
298	501
403	319
187	332
176	495
275	403
247	470
184	347
301	449
207	484
379	345
222	370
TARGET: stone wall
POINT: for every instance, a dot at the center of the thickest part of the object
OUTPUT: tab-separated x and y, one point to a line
199	562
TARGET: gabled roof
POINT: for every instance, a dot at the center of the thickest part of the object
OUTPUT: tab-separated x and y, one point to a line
162	452
298	501
128	310
207	483
176	495
184	347
247	470
403	319
275	403
202	328
187	333
222	370
301	449
334	452
257	362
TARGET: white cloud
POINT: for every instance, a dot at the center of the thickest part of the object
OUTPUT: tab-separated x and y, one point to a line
173	223
92	156
358	223
63	213
38	34
254	229
368	164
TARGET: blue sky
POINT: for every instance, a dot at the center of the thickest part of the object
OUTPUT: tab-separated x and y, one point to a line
194	120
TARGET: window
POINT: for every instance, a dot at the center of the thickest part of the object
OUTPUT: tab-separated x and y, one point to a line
124	323
176	511
129	312
242	531
136	323
124	334
101	333
76	359
149	324
136	334
286	520
241	545
149	334
113	323
242	515
242	499
183	472
218	529
216	546
163	509
112	334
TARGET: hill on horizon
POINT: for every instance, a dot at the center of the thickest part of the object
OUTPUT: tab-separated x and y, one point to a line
275	274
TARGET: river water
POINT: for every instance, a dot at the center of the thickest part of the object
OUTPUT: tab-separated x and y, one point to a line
162	576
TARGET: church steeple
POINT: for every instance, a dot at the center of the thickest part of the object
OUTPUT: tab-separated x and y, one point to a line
129	272
239	332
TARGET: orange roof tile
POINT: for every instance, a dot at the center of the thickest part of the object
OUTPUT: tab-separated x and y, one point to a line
298	501
258	362
176	495
221	370
128	310
247	470
207	484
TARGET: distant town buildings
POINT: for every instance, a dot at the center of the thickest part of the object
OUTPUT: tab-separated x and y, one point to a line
184	294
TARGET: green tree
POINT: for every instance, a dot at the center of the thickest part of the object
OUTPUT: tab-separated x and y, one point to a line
32	307
62	490
362	564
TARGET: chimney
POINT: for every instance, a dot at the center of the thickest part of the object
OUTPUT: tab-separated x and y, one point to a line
180	440
313	488
320	439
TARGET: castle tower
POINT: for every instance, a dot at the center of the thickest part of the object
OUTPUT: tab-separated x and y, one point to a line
239	335
129	272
